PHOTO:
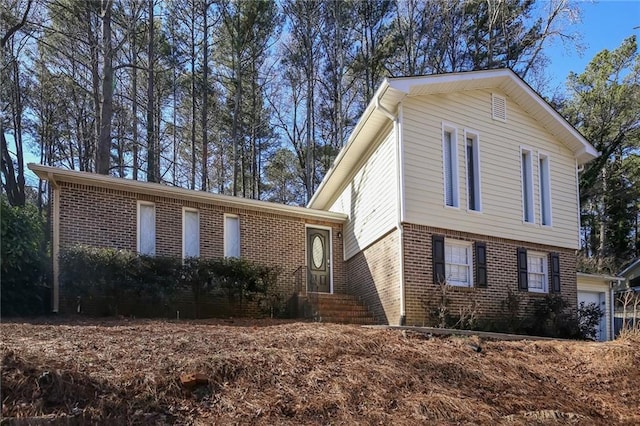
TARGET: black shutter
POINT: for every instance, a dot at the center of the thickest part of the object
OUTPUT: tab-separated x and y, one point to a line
437	248
555	272
523	282
481	264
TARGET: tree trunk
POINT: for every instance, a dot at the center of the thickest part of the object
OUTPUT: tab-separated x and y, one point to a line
152	159
205	89
103	151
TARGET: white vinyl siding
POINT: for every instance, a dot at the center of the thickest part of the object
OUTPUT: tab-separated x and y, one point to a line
231	236
370	197
527	187
545	190
537	272
500	156
190	233
473	171
458	263
146	228
450	165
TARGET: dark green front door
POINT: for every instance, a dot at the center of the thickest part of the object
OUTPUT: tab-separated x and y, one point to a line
319	260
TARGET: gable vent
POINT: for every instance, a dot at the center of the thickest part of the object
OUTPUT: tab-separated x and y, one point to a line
499	108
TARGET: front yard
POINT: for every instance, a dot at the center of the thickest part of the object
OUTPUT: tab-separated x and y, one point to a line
267	372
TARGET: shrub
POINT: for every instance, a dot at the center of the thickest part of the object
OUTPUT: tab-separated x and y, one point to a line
552	317
116	275
23	260
589	316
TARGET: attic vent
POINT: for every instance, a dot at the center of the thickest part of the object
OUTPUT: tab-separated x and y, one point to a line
499	108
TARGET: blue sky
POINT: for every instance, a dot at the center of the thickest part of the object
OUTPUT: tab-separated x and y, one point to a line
604	25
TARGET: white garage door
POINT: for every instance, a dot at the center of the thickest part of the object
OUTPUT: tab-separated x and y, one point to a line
589	297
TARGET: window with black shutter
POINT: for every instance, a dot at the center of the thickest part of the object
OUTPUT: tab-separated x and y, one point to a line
481	264
523	283
437	248
555	272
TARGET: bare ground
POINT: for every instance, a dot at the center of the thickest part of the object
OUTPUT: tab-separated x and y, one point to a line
268	372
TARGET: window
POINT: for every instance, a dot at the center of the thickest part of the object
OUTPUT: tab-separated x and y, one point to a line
527	186
458	263
450	161
533	273
146	228
545	190
190	232
231	236
537	272
473	172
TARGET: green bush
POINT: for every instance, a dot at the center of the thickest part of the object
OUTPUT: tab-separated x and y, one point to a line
116	275
589	316
24	260
120	275
552	317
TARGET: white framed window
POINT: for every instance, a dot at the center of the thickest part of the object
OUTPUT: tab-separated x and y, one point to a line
537	272
545	189
527	185
472	155
231	235
450	165
190	232
146	221
458	258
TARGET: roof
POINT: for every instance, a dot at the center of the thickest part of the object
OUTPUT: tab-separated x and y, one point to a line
393	90
54	175
630	266
599	276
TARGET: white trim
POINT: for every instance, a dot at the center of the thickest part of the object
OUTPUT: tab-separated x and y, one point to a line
401	209
450	128
475	136
542	174
468	246
225	237
545	271
306	254
530	188
155	243
184	229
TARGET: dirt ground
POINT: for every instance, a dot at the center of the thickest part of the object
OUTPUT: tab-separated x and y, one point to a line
270	372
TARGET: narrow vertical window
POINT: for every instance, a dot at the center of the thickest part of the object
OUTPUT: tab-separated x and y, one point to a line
231	236
190	233
527	186
545	190
473	173
146	228
450	154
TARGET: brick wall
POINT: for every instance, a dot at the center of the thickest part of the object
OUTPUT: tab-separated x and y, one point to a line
104	217
420	290
373	275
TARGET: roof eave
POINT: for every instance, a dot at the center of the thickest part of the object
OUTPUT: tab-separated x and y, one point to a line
58	175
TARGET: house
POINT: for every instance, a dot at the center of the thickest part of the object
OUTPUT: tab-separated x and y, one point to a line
468	179
627	295
599	290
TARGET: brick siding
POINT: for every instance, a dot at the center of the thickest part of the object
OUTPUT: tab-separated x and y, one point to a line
421	291
103	217
374	277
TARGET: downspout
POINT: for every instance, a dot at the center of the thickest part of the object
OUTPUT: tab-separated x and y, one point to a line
55	242
397	129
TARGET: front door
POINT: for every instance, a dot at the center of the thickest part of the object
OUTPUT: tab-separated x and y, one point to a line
319	260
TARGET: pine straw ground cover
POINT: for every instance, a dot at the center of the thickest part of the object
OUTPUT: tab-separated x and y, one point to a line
127	372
